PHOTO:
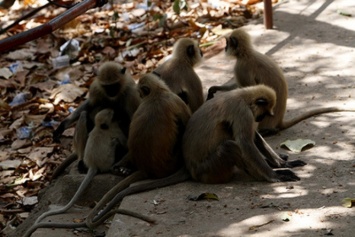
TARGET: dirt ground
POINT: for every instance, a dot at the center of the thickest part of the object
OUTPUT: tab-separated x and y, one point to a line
313	42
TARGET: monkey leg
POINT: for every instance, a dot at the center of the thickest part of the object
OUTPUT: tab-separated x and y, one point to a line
218	167
60	169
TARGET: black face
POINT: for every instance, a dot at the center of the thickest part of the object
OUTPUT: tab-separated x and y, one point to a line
190	51
104	126
112	90
231	42
260	117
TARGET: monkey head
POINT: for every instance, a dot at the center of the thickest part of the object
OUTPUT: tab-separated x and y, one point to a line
150	84
104	118
238	43
262	101
188	50
111	77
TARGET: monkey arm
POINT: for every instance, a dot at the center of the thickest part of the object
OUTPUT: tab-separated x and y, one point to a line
254	163
272	158
227	87
69	121
70	159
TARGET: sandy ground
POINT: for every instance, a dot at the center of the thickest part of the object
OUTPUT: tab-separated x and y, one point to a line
314	45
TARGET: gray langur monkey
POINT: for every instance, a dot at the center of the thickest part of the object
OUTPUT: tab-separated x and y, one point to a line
179	74
114	89
254	68
216	147
99	154
154	141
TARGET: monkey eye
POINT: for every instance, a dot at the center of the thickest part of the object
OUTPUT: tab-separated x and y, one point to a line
123	70
104	126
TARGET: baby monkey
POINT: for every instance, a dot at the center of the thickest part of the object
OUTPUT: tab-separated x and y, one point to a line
99	155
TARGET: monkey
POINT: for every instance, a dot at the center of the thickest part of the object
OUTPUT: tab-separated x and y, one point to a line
113	88
99	154
154	140
254	68
178	72
216	147
79	143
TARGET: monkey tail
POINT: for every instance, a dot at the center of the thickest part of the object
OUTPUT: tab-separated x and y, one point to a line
91	173
178	177
308	114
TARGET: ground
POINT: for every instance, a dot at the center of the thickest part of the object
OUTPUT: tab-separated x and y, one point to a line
313	42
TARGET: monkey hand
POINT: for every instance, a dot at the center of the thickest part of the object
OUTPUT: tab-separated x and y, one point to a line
121	171
286	175
295	163
211	92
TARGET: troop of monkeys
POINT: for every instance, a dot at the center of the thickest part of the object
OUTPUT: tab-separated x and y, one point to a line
162	129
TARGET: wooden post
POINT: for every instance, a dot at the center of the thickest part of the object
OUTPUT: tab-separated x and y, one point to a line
268	14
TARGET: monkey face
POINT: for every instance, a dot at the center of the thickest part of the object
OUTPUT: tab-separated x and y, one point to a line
263	107
112	90
231	46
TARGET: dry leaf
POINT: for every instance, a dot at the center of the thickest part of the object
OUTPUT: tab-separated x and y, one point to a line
67	93
10	164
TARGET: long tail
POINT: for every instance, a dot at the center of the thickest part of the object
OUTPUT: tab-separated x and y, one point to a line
308	114
178	177
91	173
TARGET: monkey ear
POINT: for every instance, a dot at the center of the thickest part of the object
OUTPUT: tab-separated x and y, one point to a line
233	42
190	50
123	70
261	102
145	90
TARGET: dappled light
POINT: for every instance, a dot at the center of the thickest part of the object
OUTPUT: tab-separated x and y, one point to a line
312	42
